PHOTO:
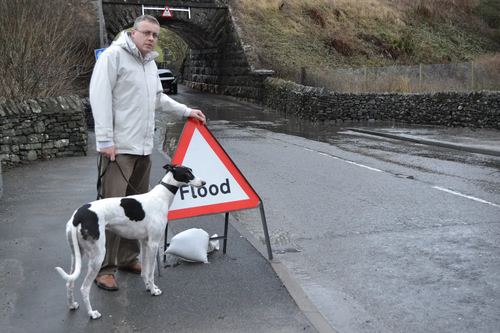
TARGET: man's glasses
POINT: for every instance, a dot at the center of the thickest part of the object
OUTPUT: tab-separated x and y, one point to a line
149	33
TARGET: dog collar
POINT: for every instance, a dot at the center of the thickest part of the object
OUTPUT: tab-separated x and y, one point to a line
171	188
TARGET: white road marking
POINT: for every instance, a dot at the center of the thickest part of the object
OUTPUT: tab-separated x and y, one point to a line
436	187
465	196
346	161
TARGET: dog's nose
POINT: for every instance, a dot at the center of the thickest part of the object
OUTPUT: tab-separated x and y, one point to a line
203	183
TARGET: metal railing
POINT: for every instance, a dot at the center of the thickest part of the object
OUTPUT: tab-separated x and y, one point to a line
410	79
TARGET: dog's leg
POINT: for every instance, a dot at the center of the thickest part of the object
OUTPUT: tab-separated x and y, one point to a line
149	259
144	269
96	256
71	284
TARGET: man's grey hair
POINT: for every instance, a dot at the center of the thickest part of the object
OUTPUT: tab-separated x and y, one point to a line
147	18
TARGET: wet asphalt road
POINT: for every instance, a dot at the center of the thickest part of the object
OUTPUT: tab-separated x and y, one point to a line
383	235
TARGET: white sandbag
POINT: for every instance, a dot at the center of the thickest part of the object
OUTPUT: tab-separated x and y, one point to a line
190	245
213	244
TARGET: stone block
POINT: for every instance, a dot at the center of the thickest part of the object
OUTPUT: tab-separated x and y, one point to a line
39	127
61	143
11	107
36	138
31	155
63	102
26	131
34	106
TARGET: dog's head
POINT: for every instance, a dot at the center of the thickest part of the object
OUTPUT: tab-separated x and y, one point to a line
184	175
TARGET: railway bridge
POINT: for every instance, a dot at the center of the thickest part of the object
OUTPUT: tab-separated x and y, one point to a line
216	61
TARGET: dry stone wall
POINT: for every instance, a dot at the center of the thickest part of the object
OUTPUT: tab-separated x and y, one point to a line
44	128
478	109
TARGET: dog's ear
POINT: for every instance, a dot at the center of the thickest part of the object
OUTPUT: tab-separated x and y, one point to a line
168	167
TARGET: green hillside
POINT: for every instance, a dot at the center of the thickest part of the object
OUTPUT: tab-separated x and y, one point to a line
285	35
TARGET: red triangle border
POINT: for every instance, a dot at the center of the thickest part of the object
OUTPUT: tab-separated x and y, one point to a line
179	155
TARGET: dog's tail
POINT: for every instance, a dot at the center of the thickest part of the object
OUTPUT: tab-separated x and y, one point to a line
78	259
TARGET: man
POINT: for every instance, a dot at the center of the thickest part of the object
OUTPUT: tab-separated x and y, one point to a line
124	92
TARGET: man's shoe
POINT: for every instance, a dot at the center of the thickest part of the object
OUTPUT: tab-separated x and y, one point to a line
106	282
135	268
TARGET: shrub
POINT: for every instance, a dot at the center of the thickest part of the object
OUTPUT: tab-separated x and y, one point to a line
46	47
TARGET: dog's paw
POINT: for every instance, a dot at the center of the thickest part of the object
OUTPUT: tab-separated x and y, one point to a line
74	306
94	314
156	291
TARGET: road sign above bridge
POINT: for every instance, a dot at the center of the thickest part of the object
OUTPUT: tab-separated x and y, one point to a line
166	12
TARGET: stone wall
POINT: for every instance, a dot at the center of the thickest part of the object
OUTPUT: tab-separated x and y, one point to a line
54	127
43	128
223	73
455	109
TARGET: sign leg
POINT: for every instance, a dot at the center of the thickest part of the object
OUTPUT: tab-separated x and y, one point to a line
226	223
266	232
158	261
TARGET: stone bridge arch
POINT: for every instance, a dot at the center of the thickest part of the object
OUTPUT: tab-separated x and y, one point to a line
216	62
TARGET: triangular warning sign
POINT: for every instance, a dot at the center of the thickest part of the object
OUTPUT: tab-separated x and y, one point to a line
166	12
226	189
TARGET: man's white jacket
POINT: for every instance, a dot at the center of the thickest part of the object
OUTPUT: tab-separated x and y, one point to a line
125	91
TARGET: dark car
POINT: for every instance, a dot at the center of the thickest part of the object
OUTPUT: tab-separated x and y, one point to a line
168	81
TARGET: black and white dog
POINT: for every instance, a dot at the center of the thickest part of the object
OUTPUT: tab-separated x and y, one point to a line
142	217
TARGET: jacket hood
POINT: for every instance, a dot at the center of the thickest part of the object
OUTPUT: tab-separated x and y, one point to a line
125	42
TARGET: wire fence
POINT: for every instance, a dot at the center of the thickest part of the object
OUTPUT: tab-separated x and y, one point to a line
410	79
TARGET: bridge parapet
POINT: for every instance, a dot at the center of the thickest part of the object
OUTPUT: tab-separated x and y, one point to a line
174	3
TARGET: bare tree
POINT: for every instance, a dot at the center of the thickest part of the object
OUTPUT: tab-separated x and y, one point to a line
46	47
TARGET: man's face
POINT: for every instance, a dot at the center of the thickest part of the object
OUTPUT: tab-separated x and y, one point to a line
145	37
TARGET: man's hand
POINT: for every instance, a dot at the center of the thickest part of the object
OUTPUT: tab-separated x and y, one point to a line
198	115
109	152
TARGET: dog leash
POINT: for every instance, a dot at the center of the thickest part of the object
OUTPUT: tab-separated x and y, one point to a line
100	175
